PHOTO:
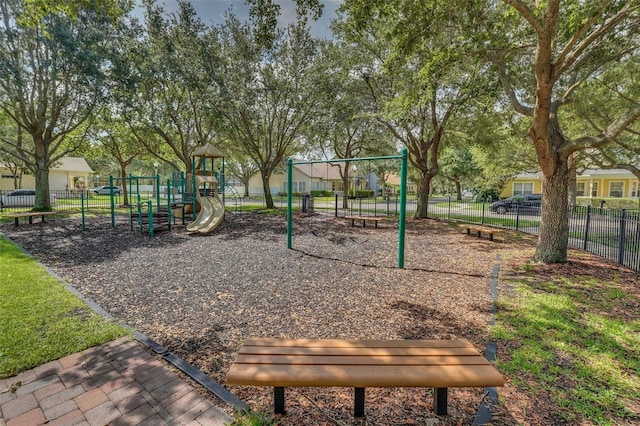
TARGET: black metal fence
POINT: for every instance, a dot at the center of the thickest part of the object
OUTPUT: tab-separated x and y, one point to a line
610	233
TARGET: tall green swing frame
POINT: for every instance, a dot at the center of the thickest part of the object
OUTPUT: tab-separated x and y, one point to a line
403	195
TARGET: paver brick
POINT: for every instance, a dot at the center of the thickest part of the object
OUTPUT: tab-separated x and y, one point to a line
193	412
214	417
127	405
136	416
60	410
62	396
147	373
37	384
103	414
32	417
107	381
125	392
71	360
90	399
49	390
18	406
163	377
72	418
184	404
48	369
154	421
173	390
74	375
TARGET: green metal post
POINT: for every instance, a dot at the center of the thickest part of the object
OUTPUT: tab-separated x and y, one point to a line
113	203
82	208
150	216
169	211
403	208
289	212
158	192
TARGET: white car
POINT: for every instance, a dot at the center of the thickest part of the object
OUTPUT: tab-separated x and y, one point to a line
22	198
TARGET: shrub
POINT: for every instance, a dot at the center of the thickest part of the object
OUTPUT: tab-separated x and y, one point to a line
322	193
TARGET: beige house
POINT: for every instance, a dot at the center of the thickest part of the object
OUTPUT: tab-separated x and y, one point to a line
68	173
614	183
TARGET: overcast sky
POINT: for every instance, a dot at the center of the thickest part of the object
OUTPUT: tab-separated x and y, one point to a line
212	11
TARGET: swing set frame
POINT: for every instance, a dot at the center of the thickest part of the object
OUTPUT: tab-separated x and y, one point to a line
403	157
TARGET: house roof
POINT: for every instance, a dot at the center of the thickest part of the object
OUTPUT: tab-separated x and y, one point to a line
68	164
320	170
72	164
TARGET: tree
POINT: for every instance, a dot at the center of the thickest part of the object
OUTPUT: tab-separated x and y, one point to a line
239	165
52	77
270	95
544	54
459	167
172	104
419	78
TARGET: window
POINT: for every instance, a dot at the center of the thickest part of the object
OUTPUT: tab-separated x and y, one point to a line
315	186
594	189
521	188
580	189
302	186
615	189
634	189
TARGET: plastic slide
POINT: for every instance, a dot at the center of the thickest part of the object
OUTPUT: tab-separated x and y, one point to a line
211	210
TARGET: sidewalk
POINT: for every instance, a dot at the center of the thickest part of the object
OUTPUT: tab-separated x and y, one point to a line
118	383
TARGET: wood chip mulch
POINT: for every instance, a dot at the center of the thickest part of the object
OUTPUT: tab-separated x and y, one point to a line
200	296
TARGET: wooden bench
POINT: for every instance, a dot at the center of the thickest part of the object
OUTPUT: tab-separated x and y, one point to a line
481	230
30	215
439	364
364	219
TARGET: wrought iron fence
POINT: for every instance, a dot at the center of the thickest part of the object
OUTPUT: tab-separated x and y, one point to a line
610	233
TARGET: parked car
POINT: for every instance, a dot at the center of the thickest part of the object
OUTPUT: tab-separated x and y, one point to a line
106	190
527	203
22	198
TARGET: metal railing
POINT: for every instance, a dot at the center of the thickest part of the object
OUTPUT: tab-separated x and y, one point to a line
609	233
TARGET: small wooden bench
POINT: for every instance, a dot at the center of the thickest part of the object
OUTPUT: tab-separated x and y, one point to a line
30	216
481	230
364	219
438	364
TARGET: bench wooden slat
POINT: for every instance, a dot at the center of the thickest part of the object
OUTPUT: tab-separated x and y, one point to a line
363	352
444	376
360	360
347	343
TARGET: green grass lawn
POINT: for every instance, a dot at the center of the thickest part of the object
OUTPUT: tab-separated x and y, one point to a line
41	321
575	339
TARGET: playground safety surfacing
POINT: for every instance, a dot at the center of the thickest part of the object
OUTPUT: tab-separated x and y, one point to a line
117	383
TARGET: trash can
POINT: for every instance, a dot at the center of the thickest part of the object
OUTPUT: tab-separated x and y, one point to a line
307	203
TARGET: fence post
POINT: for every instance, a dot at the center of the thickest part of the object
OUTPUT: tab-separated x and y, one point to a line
621	239
449	208
586	228
336	205
518	216
482	218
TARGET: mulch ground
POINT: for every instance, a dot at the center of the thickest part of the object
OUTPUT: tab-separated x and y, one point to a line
200	296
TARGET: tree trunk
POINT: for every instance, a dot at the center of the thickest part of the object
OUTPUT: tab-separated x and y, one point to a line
125	189
423	194
268	199
42	201
458	189
345	188
554	221
246	188
573	181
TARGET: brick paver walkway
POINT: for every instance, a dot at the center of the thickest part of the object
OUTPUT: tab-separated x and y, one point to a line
118	383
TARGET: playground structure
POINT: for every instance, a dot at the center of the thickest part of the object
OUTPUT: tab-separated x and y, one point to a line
152	213
206	185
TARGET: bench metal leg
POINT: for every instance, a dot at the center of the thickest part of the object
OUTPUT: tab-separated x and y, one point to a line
31	220
278	400
15	221
440	401
491	236
358	402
